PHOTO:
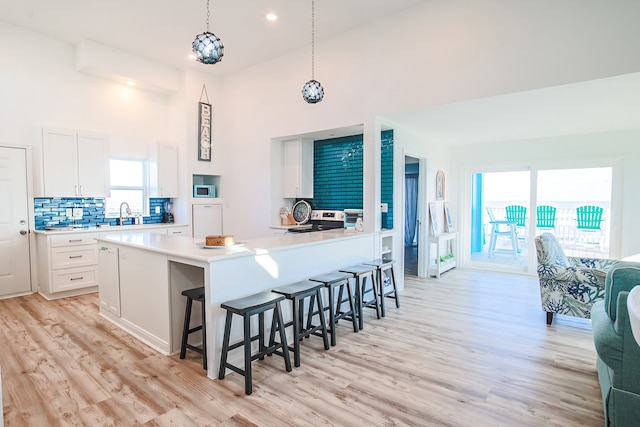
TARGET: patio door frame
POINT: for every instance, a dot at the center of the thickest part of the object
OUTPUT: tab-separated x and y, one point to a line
465	203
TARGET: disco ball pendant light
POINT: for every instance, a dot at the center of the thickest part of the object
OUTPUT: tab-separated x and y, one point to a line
313	92
207	47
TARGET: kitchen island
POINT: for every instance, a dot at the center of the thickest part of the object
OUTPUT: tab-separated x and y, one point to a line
142	276
67	257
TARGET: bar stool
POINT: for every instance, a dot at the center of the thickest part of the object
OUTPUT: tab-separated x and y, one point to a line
383	265
246	307
297	293
339	280
196	294
360	273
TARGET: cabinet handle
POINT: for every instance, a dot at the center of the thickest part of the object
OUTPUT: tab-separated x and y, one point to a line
75	256
75	240
77	278
76	189
81	191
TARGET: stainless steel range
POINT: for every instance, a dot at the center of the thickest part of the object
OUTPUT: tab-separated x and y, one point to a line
321	220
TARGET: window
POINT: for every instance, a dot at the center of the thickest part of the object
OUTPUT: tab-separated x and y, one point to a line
128	184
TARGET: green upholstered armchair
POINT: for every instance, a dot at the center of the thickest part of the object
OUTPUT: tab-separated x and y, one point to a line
618	352
568	285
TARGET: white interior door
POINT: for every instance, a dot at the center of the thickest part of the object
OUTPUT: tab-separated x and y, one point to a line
15	276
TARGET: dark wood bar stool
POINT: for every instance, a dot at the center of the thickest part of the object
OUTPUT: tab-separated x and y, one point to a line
246	307
360	273
196	294
382	266
297	293
339	280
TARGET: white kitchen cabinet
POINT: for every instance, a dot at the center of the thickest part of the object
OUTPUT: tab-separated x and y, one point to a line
67	264
177	231
297	169
174	231
163	170
75	164
109	280
206	220
144	295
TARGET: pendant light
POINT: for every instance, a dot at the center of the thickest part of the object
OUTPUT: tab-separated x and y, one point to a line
313	92
207	47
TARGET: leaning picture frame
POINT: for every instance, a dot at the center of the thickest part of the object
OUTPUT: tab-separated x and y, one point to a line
440	185
434	218
448	223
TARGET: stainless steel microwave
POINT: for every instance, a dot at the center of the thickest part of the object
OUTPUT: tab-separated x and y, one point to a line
203	190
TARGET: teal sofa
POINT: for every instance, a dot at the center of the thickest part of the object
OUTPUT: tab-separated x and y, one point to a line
618	359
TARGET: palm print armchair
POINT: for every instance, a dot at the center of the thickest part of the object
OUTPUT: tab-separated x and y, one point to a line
568	285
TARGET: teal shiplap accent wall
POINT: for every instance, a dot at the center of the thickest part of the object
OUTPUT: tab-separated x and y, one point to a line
338	171
386	195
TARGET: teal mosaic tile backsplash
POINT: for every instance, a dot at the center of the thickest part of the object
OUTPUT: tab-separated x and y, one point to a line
51	212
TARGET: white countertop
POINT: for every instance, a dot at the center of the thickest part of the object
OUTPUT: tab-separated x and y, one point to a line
112	228
191	248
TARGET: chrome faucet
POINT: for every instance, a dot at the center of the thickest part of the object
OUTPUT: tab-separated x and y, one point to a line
127	211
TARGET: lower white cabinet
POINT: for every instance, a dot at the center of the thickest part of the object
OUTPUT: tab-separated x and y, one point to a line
109	280
133	293
67	264
177	231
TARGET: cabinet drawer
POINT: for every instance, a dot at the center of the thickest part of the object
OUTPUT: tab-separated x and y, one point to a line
73	278
75	256
73	240
181	231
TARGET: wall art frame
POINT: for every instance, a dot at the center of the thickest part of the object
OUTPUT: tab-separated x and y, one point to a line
434	218
448	222
440	185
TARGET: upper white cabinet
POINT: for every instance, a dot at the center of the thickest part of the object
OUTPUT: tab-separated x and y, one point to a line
163	170
297	173
75	164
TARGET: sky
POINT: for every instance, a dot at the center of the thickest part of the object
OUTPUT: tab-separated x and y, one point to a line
564	185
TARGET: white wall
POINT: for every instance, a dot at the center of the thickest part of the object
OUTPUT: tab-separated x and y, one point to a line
435	53
41	87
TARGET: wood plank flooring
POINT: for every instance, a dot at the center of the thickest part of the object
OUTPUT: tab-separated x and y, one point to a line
471	348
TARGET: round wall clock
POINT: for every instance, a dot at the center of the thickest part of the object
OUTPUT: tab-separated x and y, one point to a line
301	212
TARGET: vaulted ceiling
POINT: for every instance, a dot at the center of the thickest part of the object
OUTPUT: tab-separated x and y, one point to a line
163	30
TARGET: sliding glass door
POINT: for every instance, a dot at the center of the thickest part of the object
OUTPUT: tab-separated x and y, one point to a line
575	206
500	215
508	209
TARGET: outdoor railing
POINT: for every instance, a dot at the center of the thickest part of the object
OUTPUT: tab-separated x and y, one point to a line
575	242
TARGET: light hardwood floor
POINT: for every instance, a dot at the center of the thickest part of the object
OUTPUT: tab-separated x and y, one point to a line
469	349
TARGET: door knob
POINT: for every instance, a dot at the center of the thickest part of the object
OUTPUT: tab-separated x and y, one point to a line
23	232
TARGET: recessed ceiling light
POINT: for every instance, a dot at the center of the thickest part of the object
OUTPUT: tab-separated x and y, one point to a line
271	17
191	56
131	83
